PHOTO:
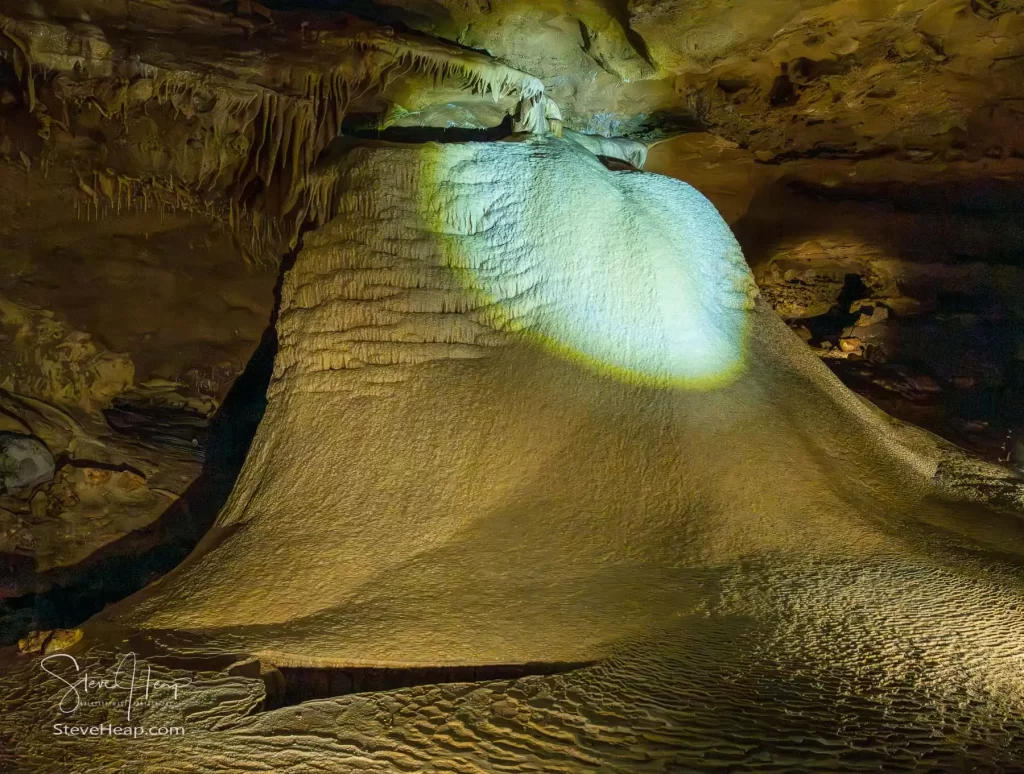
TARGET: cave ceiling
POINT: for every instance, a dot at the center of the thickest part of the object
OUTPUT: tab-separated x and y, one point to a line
223	108
782	77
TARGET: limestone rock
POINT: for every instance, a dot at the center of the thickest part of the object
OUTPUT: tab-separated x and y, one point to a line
52	425
162	414
785	79
33	643
803	332
527	316
62	639
870	314
50	641
575	512
39	504
88	508
448	343
1016	452
850	344
10	423
25	463
799	292
48	360
619	148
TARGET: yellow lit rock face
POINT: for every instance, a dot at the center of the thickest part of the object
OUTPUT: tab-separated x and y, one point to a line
473	452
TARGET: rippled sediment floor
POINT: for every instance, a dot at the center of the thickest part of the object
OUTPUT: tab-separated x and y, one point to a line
895	666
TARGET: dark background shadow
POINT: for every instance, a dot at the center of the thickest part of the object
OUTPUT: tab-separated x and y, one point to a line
67	596
964	329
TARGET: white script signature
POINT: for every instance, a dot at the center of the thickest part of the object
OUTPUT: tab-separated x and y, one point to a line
126	677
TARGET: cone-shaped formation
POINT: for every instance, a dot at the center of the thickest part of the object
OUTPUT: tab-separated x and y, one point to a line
527	409
519	401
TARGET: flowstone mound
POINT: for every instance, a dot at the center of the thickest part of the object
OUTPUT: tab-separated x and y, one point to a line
518	397
526	409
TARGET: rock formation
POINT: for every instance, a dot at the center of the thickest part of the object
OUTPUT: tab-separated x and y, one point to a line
380	389
498	481
165	144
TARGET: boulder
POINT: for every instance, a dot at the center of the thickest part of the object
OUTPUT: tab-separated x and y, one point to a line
25	463
48	641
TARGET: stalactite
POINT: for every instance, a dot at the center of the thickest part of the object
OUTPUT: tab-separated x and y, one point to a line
271	193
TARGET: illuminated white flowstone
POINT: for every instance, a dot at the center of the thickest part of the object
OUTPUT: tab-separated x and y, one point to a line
637	275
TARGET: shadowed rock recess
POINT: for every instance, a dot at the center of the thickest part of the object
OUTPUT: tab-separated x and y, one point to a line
382	390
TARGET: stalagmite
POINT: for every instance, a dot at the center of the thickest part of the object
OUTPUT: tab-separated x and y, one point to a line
540	396
529	413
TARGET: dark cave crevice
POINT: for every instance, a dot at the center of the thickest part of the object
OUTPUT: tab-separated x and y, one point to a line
301	684
978	198
839	316
65	597
123	467
362	126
